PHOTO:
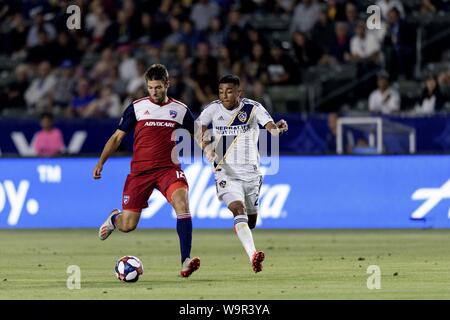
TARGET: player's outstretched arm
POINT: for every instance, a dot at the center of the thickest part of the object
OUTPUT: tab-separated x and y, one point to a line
204	140
110	147
278	128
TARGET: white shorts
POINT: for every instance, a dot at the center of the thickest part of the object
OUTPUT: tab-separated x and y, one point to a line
230	190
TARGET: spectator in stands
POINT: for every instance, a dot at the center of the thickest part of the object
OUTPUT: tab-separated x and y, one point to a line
65	84
431	100
44	50
257	62
259	93
175	37
107	105
205	73
203	12
335	10
340	47
236	43
351	17
306	51
306	14
385	99
281	68
427	6
48	142
97	21
38	96
39	25
66	49
15	92
387	5
190	36
399	45
216	36
17	36
323	32
119	31
254	36
364	46
365	51
128	65
138	80
81	100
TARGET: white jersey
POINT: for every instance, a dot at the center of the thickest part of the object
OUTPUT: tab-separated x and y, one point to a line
236	134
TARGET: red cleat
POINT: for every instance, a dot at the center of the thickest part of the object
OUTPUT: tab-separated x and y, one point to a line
258	258
189	266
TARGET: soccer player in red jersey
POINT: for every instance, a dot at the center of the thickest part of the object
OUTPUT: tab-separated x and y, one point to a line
154	120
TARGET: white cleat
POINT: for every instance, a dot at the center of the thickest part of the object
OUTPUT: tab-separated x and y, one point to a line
107	227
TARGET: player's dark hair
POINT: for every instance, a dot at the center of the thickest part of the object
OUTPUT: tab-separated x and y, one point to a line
230	78
157	72
46	115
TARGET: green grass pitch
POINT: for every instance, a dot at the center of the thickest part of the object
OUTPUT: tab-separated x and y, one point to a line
300	264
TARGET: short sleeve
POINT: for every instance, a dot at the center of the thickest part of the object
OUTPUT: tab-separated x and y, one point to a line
205	117
128	120
188	121
262	116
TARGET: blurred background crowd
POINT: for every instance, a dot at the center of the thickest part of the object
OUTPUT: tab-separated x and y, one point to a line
292	56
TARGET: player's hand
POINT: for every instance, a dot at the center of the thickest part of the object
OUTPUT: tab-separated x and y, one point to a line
282	126
97	174
211	156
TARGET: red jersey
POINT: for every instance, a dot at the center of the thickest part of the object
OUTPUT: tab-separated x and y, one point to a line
154	127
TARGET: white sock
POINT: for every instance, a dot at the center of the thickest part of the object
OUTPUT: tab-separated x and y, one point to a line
244	234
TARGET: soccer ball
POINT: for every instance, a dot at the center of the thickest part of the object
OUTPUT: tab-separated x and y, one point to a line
129	268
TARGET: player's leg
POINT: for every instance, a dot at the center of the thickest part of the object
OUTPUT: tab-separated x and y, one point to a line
252	218
177	194
137	190
241	227
125	221
252	201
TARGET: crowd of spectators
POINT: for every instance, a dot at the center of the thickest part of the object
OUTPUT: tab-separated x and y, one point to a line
96	71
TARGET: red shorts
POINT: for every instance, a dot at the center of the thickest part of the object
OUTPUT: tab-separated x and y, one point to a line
139	186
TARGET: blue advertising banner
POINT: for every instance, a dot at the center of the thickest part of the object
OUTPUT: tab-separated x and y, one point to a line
307	192
308	134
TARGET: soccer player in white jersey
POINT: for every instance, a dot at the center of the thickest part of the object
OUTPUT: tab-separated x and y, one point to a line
232	147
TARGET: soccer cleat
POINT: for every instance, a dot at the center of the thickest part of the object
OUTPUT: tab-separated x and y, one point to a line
189	266
257	259
107	227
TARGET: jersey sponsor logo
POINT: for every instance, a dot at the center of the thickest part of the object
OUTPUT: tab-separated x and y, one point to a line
231	130
173	113
159	124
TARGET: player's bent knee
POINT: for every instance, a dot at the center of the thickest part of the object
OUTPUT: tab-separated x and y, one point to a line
127	228
237	207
